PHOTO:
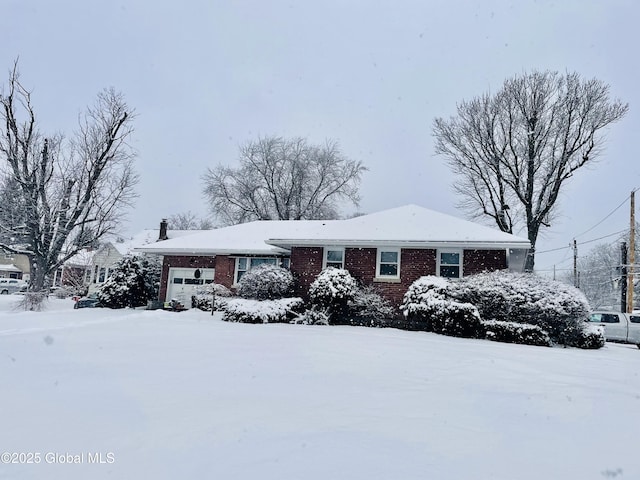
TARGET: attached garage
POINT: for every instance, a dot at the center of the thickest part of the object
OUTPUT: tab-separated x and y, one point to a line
185	282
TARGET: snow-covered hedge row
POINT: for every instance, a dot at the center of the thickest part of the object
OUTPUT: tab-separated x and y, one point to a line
455	307
262	311
557	308
266	282
511	332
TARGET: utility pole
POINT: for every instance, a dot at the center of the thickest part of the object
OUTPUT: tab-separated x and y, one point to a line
623	277
632	253
576	283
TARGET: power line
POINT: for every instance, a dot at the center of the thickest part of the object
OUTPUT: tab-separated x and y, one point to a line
610	213
582	243
605	236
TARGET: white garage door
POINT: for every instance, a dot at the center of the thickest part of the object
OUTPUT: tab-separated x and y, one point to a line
185	282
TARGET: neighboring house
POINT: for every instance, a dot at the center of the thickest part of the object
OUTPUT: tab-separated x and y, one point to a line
14	265
110	252
388	249
76	271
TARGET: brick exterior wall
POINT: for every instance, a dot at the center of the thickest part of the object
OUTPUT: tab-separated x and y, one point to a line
478	261
306	264
361	263
225	270
414	263
181	262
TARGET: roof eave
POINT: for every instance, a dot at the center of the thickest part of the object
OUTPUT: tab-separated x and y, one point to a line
479	244
202	252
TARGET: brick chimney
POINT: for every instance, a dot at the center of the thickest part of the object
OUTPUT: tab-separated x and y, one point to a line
163	230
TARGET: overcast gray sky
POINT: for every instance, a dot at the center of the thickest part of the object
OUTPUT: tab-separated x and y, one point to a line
206	76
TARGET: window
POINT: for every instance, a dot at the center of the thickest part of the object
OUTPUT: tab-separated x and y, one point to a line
244	264
450	263
334	257
605	318
102	275
388	264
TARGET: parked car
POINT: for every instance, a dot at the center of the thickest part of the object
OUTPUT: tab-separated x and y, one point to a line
12	285
88	302
619	327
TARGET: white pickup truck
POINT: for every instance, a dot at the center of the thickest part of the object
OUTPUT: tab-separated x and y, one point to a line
619	327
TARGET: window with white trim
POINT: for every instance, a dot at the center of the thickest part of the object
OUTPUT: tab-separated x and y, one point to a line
333	257
244	264
450	263
388	263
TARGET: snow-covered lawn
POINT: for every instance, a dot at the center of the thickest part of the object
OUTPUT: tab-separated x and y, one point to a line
184	395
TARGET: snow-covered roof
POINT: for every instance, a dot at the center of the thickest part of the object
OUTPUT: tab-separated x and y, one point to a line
243	239
9	268
146	237
83	258
408	226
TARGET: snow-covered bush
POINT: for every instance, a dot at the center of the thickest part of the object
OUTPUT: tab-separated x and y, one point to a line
368	308
429	305
134	280
244	310
205	294
313	316
64	292
332	286
33	302
555	307
589	336
266	282
511	332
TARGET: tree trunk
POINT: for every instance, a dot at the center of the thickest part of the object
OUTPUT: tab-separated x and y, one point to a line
39	279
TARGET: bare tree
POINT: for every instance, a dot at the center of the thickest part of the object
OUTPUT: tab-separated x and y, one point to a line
599	274
513	151
280	179
74	191
13	216
189	221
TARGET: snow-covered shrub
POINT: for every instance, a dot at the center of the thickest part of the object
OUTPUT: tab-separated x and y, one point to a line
266	281
368	308
313	316
33	302
64	292
134	280
511	332
589	336
205	294
429	305
244	310
557	308
332	289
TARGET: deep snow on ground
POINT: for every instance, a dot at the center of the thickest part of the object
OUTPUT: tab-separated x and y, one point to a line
184	395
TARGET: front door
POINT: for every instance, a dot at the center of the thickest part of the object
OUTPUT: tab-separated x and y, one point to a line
185	282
